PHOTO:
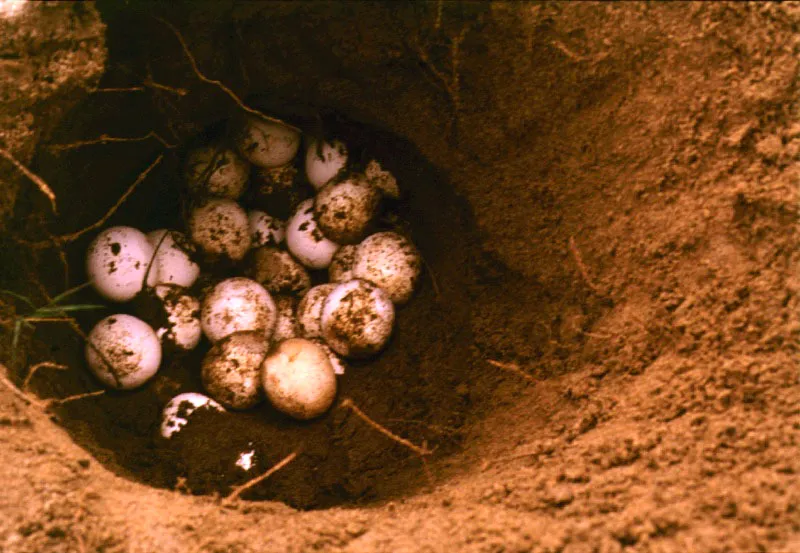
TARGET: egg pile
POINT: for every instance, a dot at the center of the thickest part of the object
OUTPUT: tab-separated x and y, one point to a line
282	303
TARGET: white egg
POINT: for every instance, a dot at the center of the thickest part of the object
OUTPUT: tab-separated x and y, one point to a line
231	370
390	261
286	327
338	364
306	241
357	319
266	143
309	310
265	230
221	229
298	379
278	272
177	411
123	352
117	261
344	210
382	180
216	171
183	330
323	162
172	263
341	267
237	304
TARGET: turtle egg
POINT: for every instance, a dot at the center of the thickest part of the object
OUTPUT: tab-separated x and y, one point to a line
298	379
357	319
267	143
216	171
278	271
265	230
183	329
172	263
286	327
117	262
324	161
337	362
344	210
177	411
306	241
123	352
381	179
237	304
341	267
392	262
309	310
231	369
221	229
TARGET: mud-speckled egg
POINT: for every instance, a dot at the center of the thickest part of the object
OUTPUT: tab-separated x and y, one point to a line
338	364
306	241
231	370
344	210
278	272
286	326
324	160
341	267
183	329
309	310
117	261
220	228
216	171
172	262
390	261
267	143
179	409
265	230
237	304
123	352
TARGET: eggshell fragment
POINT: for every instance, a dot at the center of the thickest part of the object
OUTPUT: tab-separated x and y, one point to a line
221	229
344	210
390	261
306	241
180	408
324	161
237	304
183	330
216	171
231	369
357	319
278	271
309	310
172	262
117	261
265	230
341	267
266	143
123	352
298	379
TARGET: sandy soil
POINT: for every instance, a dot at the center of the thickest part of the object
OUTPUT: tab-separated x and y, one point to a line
632	177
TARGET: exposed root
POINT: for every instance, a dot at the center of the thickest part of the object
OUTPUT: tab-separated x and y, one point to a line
16	391
106	139
63	400
347	403
46	365
42	404
576	254
128	89
512	368
37	180
238	490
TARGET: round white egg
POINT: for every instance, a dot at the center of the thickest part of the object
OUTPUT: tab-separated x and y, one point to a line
221	229
179	409
265	230
344	210
306	241
278	272
341	267
309	310
267	143
286	326
216	171
172	263
382	180
357	319
117	261
390	261
231	370
324	161
183	330
123	352
237	304
298	379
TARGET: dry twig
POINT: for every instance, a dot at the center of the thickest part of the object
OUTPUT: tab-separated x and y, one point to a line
581	266
237	491
513	368
37	180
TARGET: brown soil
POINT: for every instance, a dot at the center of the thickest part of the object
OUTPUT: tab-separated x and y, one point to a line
603	353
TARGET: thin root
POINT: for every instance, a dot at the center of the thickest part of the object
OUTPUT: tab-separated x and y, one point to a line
576	254
63	400
106	139
513	368
237	491
347	403
37	180
36	367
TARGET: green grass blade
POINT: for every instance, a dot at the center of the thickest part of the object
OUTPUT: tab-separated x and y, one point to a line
68	293
59	309
19	297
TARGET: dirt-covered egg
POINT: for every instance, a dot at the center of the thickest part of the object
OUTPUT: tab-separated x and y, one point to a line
392	262
123	352
231	370
309	310
267	143
341	267
220	228
183	329
179	409
216	171
298	379
338	364
357	319
381	179
324	160
306	241
286	326
344	210
117	261
237	304
265	230
278	271
172	262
